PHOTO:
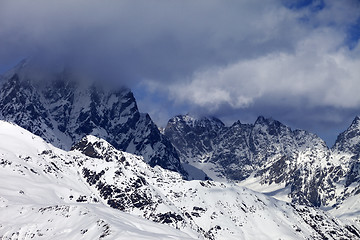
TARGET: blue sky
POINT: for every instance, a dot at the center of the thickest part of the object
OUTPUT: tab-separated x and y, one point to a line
295	61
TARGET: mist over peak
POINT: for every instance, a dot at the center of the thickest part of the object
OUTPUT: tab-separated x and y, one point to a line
295	61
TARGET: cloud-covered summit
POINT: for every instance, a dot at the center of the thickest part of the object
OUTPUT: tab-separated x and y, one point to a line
297	61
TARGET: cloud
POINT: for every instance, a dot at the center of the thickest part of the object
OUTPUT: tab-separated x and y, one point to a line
162	40
318	71
234	59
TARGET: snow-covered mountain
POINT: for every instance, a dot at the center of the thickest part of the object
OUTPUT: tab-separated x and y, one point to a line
267	156
349	140
347	151
92	188
62	109
43	196
97	191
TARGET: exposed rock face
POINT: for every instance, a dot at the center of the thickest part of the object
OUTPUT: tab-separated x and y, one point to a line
62	110
272	154
347	150
349	140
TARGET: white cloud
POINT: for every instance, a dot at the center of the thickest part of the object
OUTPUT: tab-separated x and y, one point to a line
319	71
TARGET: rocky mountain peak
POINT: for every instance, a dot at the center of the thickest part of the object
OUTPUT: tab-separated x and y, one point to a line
196	122
261	120
349	140
267	149
62	108
357	120
272	126
355	124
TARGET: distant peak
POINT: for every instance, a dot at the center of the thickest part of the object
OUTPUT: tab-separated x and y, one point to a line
269	122
262	120
202	121
356	119
238	122
349	141
355	123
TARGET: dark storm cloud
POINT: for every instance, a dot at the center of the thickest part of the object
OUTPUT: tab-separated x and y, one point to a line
162	40
294	60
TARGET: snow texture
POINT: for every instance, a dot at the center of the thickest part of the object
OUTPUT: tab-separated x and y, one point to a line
97	191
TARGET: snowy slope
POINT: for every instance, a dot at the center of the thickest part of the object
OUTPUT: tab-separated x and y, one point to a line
41	196
50	193
348	211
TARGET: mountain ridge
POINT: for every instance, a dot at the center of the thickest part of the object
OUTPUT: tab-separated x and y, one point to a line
78	185
296	163
62	110
101	124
